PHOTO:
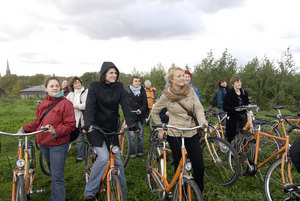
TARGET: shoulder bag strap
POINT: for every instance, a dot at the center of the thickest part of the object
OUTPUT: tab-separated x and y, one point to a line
81	94
190	113
50	108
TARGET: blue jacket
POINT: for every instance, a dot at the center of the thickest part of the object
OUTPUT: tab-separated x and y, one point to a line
196	90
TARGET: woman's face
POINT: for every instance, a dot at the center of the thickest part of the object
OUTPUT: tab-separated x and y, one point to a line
223	84
111	75
237	84
77	84
178	78
187	78
136	82
64	84
53	88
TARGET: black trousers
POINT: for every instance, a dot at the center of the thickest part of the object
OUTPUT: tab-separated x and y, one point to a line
233	125
194	152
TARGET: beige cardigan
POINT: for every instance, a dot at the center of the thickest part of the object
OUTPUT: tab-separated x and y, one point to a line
177	115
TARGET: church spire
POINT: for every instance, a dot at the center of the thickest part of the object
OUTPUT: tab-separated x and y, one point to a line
7	69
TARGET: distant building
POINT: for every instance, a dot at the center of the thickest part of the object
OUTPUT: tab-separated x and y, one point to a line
7	69
35	91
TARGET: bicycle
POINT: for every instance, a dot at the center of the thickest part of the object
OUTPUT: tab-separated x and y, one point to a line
25	170
110	182
185	186
274	126
282	177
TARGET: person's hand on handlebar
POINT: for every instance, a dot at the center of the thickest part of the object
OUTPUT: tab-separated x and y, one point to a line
51	130
161	134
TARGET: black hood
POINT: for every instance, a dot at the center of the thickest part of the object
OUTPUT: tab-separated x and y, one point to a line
107	65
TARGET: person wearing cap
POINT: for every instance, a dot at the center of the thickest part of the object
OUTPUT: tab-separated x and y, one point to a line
102	110
187	80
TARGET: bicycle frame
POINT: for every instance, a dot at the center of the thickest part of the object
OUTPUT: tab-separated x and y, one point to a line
179	171
284	149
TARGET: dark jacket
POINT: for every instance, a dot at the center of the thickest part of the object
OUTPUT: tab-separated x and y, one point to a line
61	117
231	101
102	107
221	95
138	102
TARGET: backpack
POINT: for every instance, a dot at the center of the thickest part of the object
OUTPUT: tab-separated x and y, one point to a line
214	102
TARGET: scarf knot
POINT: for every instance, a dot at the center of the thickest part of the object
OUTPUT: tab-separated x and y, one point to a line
177	95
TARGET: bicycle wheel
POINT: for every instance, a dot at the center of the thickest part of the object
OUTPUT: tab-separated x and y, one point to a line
245	153
151	122
124	148
44	165
190	191
155	163
90	157
31	165
273	181
115	191
20	191
221	161
212	131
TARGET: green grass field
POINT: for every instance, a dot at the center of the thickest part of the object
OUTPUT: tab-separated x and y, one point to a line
16	112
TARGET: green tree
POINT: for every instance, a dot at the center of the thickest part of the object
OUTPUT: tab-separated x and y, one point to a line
89	77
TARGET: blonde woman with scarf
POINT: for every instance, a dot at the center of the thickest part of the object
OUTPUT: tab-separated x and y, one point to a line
178	91
78	96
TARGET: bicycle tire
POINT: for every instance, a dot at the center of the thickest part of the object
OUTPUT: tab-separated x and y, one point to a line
187	184
44	165
212	131
89	158
151	122
31	165
20	191
273	182
124	148
156	162
225	169
115	189
37	145
248	152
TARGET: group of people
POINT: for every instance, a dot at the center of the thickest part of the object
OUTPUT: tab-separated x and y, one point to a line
99	105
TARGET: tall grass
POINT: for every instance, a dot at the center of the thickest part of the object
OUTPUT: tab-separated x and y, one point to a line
16	112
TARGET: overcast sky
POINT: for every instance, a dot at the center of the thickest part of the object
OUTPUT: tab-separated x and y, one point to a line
70	37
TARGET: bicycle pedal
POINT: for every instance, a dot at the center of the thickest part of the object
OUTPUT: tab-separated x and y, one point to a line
158	190
38	191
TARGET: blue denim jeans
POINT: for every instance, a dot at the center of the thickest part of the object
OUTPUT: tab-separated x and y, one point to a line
56	158
98	169
140	139
80	146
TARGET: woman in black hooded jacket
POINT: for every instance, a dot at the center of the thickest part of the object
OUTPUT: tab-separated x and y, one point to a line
102	110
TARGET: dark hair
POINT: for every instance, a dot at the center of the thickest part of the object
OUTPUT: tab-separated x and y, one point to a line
103	76
220	81
52	78
73	81
133	77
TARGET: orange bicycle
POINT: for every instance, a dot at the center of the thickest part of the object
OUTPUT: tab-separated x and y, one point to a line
185	186
25	171
110	182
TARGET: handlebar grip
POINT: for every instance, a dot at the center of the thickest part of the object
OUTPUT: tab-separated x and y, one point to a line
271	115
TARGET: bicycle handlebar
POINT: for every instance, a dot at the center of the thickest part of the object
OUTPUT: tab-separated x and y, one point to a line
104	131
165	127
24	134
248	107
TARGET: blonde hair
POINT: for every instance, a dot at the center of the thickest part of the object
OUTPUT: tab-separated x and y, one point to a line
170	73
